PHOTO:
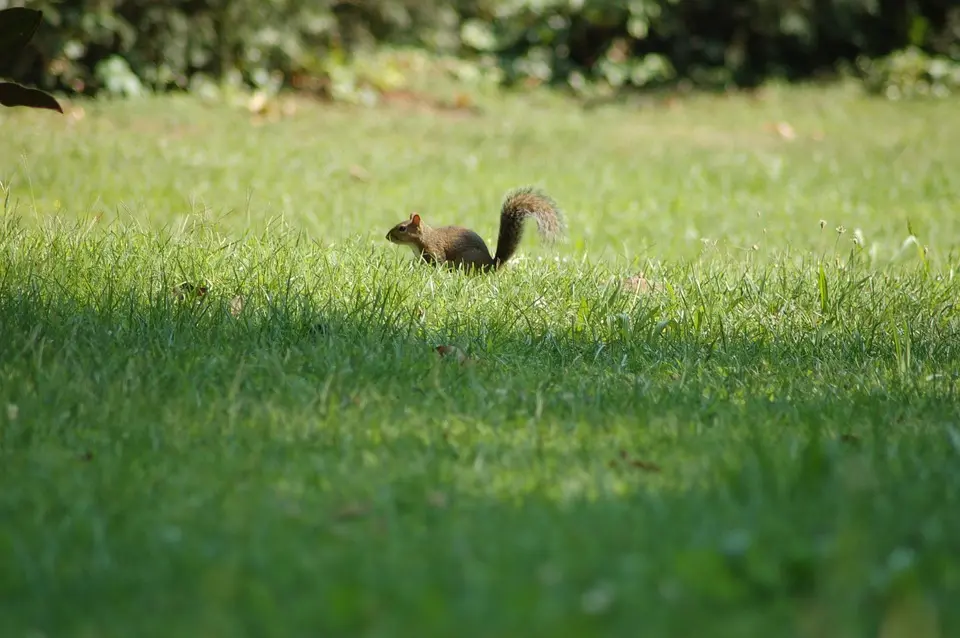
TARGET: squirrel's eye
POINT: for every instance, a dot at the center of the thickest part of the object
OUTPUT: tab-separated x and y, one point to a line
402	228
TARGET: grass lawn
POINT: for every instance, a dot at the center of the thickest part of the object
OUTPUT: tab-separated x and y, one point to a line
726	405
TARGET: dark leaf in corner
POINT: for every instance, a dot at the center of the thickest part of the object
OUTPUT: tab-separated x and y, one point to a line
12	94
17	26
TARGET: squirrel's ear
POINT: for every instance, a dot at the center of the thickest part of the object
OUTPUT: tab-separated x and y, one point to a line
415	219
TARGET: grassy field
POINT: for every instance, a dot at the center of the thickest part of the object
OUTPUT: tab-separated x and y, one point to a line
726	405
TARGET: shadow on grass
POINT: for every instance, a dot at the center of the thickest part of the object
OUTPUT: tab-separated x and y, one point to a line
180	339
296	466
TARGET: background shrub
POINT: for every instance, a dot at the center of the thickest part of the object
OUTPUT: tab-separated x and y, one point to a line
128	46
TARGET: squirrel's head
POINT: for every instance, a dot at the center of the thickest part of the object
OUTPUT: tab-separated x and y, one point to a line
407	231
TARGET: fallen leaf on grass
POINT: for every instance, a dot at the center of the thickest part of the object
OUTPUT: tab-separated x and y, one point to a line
463	101
265	108
288	108
75	113
257	104
236	305
639	283
783	129
359	173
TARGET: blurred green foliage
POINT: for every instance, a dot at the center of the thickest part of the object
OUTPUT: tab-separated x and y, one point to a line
128	46
911	73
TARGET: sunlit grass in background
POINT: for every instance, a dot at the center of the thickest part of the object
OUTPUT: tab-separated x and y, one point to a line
727	405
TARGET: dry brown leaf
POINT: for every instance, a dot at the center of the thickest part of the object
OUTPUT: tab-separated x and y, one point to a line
783	129
288	108
359	173
76	113
236	305
463	101
786	131
257	104
639	283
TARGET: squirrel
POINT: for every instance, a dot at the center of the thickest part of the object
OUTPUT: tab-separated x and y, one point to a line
458	247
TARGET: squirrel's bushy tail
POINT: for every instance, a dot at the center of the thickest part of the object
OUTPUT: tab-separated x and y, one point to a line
519	204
